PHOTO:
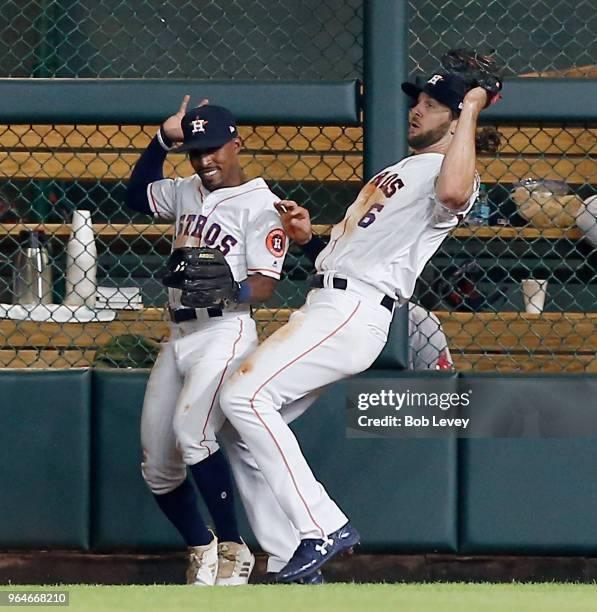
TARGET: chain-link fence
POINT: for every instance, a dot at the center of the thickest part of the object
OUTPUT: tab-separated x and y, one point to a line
258	39
536	221
51	173
234	39
530	37
516	283
535	229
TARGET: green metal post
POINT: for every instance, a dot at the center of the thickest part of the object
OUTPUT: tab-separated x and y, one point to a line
42	203
386	66
47	58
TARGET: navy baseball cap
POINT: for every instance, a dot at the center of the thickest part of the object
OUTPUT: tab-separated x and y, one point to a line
207	127
449	89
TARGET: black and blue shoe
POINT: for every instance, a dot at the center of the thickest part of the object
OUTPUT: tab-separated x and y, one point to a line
312	553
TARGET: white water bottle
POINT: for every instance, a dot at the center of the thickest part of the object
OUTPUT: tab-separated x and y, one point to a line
81	262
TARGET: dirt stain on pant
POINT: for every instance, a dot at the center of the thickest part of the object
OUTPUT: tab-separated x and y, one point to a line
280	335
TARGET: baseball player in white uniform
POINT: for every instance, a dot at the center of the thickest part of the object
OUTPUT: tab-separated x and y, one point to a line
427	344
374	256
216	207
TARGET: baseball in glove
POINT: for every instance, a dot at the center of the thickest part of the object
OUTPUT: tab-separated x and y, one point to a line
476	71
202	274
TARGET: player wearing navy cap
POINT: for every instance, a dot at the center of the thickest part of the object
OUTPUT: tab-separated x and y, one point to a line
372	261
221	208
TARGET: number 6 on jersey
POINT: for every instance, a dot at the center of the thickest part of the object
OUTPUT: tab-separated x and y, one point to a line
368	218
388	185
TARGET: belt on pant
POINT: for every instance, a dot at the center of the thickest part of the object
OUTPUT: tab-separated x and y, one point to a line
180	315
342	284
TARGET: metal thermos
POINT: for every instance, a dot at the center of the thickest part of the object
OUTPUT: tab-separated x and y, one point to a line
32	274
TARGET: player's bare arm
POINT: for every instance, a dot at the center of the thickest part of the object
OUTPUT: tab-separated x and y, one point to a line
149	167
262	288
454	184
296	221
171	127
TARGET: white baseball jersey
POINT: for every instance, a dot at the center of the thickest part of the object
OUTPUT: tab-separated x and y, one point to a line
393	228
181	415
239	221
427	343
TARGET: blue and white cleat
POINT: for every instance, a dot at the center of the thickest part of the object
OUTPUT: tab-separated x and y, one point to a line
312	579
312	553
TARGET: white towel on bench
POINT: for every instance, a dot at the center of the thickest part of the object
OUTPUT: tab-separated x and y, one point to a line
54	313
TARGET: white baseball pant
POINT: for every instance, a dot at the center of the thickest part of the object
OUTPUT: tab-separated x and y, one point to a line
272	528
334	335
167	450
181	412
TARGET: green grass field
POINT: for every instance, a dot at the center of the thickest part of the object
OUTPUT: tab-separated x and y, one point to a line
332	597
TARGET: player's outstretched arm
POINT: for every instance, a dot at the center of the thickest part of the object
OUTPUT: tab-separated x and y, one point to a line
454	185
206	279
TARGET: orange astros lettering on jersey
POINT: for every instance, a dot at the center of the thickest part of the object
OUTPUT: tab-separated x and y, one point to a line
275	242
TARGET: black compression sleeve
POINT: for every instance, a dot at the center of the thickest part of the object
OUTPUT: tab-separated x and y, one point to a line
313	248
149	168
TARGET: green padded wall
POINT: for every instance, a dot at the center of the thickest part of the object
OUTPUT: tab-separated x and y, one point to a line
400	494
125	514
521	496
528	496
44	476
394	355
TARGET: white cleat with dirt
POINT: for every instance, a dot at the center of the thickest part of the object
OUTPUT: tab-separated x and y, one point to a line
235	564
203	564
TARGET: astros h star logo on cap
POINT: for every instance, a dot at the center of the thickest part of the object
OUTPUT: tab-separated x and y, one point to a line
199	125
